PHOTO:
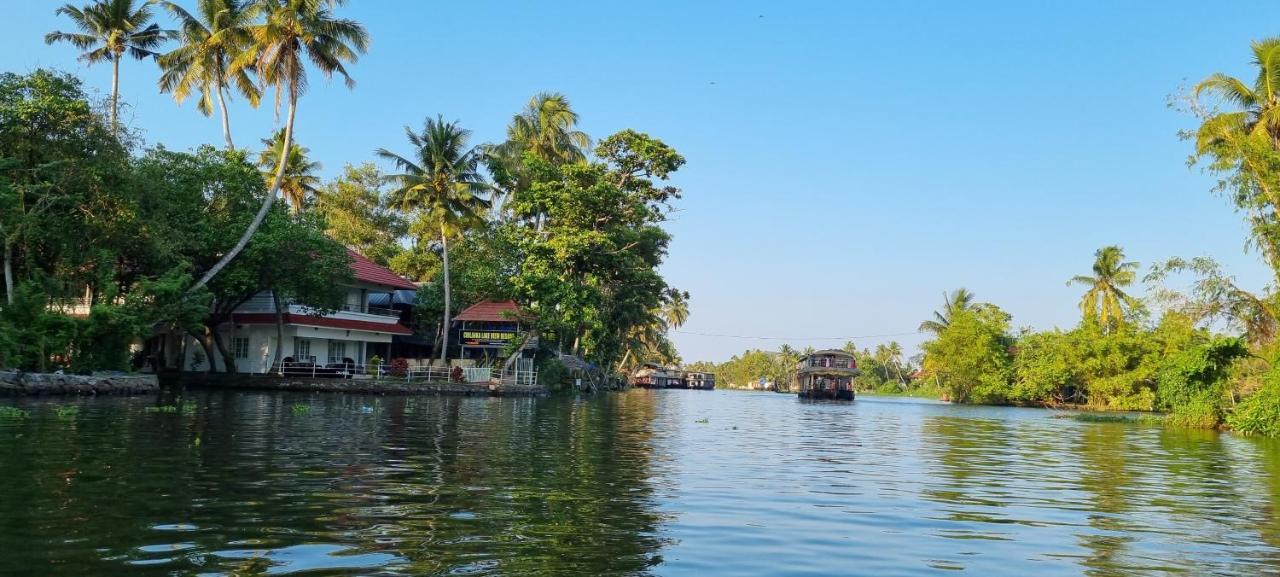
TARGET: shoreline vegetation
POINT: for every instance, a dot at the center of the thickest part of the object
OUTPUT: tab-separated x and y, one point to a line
113	247
108	241
1204	357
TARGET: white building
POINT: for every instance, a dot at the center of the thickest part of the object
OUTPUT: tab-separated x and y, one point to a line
352	334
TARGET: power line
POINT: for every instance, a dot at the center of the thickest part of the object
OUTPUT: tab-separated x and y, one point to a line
798	338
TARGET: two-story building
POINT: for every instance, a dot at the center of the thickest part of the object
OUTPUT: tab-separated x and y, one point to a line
354	333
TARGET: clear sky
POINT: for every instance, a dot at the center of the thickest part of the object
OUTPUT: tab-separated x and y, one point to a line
847	162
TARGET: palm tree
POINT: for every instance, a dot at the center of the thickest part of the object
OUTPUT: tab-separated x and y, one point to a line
1258	105
1245	138
299	180
211	39
109	29
441	181
293	32
959	300
545	128
1106	301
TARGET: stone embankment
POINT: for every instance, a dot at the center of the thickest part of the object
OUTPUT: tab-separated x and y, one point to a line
360	386
23	383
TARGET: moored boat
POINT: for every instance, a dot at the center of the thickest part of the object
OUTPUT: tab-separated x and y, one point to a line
825	375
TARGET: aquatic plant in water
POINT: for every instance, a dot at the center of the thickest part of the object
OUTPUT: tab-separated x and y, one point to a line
187	407
300	408
12	413
67	412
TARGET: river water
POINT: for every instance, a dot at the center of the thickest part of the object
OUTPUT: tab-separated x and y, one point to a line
680	483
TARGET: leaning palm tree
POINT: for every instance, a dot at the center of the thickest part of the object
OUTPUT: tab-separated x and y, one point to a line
109	29
211	38
440	181
958	300
1106	301
292	33
299	180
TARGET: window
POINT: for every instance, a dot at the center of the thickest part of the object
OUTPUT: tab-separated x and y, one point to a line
302	349
337	351
240	345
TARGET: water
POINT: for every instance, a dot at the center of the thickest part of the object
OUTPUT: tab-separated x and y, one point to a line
680	483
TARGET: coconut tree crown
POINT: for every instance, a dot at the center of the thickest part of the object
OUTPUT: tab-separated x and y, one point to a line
1105	301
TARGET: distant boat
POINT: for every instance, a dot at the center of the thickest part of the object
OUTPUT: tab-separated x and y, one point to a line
655	376
826	375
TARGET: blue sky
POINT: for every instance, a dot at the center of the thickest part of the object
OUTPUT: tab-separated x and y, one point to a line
847	162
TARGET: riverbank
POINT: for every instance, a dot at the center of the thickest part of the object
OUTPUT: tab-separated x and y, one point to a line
355	386
18	383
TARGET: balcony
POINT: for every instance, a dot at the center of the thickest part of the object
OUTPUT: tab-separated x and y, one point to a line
264	304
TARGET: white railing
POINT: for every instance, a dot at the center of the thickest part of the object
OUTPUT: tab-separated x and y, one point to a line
264	304
413	374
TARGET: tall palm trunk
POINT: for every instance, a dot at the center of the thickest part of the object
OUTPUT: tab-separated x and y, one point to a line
8	268
226	122
266	203
115	92
444	245
279	356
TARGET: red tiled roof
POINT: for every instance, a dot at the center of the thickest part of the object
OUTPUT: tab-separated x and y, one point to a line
490	311
371	272
327	322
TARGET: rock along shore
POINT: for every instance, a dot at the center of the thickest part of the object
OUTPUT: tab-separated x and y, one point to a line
13	383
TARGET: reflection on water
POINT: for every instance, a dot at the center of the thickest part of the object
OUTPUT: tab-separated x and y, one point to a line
640	483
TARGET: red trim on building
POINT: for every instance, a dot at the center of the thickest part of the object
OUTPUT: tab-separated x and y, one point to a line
326	322
371	272
490	311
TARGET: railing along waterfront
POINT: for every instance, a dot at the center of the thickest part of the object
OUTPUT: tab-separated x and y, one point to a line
414	373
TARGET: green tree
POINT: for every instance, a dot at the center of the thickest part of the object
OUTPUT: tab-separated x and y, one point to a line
1106	302
442	184
109	29
958	300
293	32
210	40
358	214
971	356
298	180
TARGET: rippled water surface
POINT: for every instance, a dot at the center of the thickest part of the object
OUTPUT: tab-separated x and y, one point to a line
639	483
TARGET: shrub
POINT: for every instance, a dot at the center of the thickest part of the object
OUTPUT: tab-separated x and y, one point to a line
374	365
552	373
455	375
399	367
1259	414
1192	382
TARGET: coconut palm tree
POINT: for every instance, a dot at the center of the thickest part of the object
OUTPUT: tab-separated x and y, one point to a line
291	34
545	128
441	182
110	29
211	38
958	300
299	180
1106	301
1257	106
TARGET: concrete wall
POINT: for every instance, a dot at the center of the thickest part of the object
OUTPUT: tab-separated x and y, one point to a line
17	383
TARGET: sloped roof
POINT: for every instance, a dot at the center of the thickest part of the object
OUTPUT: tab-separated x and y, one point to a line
371	272
490	311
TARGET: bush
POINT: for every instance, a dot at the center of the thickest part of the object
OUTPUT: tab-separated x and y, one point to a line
552	373
399	367
1259	414
1192	382
455	375
374	365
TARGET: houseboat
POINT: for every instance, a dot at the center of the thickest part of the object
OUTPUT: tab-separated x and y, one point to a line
698	380
655	376
826	375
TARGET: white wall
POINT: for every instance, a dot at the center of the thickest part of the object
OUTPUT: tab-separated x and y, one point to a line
262	344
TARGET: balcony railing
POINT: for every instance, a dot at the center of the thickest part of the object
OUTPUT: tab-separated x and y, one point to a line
266	305
829	363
